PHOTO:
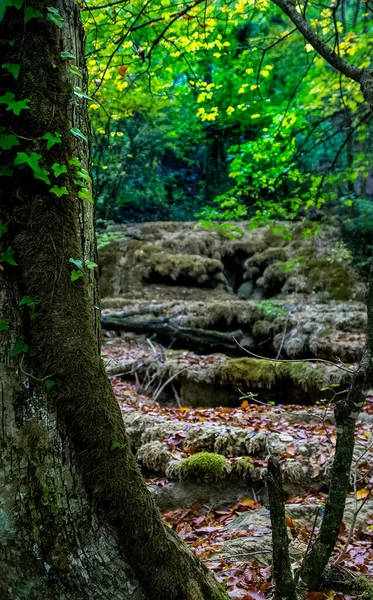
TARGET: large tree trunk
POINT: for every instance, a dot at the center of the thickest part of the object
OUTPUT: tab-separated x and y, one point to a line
76	519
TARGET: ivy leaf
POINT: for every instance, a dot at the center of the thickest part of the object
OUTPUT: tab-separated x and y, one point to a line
7	141
3	228
59	191
75	162
79	92
52	139
76	71
33	161
84	175
115	445
7	256
4	5
14	105
6	171
78	133
29	302
91	265
58	169
4	326
76	274
86	195
13	68
49	383
31	13
54	16
19	348
65	55
78	263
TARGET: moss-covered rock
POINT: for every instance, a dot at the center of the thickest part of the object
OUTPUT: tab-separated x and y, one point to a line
203	466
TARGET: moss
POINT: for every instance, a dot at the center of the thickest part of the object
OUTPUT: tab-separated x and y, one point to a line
246	371
362	586
203	466
244	468
263	259
331	277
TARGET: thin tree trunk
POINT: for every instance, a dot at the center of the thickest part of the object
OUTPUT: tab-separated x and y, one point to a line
75	511
281	568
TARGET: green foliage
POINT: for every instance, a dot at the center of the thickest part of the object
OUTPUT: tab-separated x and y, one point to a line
19	348
32	160
8	256
3	228
16	106
54	16
58	169
4	326
7	141
66	55
231	129
31	13
75	71
52	139
77	133
59	191
13	68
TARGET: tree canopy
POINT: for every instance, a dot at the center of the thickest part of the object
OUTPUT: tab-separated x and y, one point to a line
223	109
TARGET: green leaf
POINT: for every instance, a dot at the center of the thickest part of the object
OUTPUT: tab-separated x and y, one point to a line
52	139
59	191
33	161
76	274
6	171
29	302
76	71
78	263
115	445
7	141
49	383
3	228
78	133
31	13
14	105
13	68
4	5
30	159
58	169
75	162
80	182
4	326
91	265
54	16
7	256
65	55
79	92
86	195
84	175
19	348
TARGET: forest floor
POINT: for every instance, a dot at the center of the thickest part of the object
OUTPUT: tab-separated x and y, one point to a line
213	533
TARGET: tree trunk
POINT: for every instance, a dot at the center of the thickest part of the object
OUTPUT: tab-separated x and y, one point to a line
76	519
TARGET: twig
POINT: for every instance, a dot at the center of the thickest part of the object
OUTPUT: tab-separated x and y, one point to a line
320	360
166	383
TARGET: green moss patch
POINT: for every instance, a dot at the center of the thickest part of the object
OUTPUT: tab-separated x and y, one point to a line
203	466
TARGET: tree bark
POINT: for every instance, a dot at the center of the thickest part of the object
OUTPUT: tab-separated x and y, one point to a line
76	518
281	569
